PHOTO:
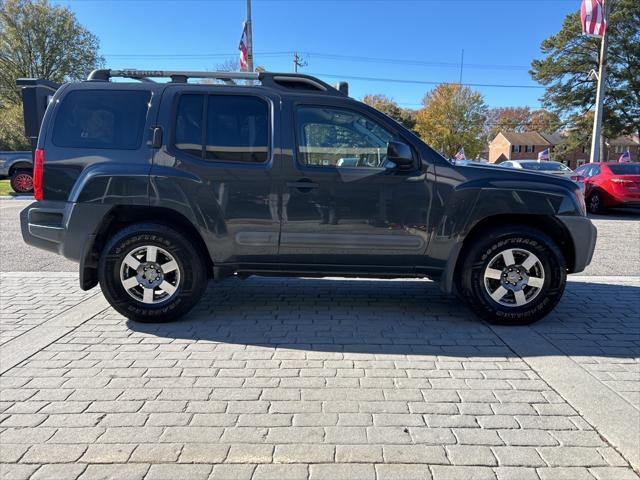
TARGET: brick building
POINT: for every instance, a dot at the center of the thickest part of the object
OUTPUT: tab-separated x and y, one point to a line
527	146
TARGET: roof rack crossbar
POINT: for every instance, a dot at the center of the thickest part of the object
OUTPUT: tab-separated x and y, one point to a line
179	76
102	74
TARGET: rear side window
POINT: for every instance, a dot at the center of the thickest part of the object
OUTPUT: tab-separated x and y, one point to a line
189	119
101	119
625	169
236	127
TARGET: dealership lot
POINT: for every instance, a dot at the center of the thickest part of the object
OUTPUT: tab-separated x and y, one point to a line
307	378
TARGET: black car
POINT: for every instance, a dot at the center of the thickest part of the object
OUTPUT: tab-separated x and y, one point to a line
155	187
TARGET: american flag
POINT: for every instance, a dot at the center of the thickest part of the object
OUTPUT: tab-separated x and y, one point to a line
625	157
544	155
592	15
460	155
244	49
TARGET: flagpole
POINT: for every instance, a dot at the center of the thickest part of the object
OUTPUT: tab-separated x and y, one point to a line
597	145
249	39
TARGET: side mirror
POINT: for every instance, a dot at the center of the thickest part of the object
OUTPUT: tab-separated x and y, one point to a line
400	154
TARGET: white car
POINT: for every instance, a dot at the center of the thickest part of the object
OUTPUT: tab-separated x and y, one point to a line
548	167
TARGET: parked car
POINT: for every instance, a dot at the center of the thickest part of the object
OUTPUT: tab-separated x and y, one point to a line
548	167
18	167
611	184
155	187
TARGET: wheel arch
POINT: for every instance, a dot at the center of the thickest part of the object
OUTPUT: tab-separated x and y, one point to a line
20	166
545	223
122	216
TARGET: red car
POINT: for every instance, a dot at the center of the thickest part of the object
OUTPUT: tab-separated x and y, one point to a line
611	184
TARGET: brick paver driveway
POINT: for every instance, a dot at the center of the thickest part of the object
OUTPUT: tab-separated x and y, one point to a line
321	379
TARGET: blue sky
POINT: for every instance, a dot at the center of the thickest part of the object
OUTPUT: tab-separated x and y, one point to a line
419	40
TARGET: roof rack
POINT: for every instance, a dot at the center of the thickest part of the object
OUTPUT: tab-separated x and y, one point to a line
274	80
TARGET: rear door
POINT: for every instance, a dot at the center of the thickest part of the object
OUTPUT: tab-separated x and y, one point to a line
343	204
216	165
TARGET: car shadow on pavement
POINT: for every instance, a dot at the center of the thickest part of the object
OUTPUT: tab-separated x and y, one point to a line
396	317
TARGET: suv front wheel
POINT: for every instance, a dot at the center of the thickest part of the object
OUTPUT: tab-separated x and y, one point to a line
151	273
512	275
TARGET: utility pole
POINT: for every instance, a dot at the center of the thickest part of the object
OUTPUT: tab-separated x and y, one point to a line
249	39
298	62
461	66
597	144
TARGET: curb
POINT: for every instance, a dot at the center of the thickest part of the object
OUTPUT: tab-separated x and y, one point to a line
17	197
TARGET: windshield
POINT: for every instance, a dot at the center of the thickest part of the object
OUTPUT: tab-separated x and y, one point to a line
545	166
625	169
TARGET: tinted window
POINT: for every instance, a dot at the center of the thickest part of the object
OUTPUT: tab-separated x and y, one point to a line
188	135
237	129
101	119
625	169
340	138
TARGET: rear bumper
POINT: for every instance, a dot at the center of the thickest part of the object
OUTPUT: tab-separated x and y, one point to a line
622	198
583	234
64	228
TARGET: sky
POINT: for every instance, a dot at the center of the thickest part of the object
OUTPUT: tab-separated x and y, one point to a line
392	41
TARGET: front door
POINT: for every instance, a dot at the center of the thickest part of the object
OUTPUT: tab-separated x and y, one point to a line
343	202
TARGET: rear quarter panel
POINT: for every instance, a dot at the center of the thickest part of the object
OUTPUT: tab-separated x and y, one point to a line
97	175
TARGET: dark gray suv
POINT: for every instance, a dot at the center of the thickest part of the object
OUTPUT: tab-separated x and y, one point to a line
156	187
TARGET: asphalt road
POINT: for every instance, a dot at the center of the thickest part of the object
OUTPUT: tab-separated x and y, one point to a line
617	250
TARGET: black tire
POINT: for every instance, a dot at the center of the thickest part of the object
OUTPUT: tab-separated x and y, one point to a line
594	203
21	181
190	286
489	244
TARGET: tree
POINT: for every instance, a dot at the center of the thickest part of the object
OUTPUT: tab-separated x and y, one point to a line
507	119
390	108
42	41
576	137
544	121
12	129
453	117
569	56
229	65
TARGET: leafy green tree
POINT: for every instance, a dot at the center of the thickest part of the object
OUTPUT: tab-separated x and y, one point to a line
576	137
12	129
386	105
453	117
39	40
569	56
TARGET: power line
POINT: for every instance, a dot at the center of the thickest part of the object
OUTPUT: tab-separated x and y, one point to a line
327	56
326	1
422	82
189	55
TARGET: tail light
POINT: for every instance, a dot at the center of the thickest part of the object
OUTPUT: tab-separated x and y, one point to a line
38	167
577	178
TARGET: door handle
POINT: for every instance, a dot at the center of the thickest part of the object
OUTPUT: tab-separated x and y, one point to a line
302	185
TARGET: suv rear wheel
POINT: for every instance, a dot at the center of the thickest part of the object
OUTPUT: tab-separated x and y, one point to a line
512	275
151	273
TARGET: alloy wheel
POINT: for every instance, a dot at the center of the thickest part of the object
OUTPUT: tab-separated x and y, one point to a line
514	277
150	274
